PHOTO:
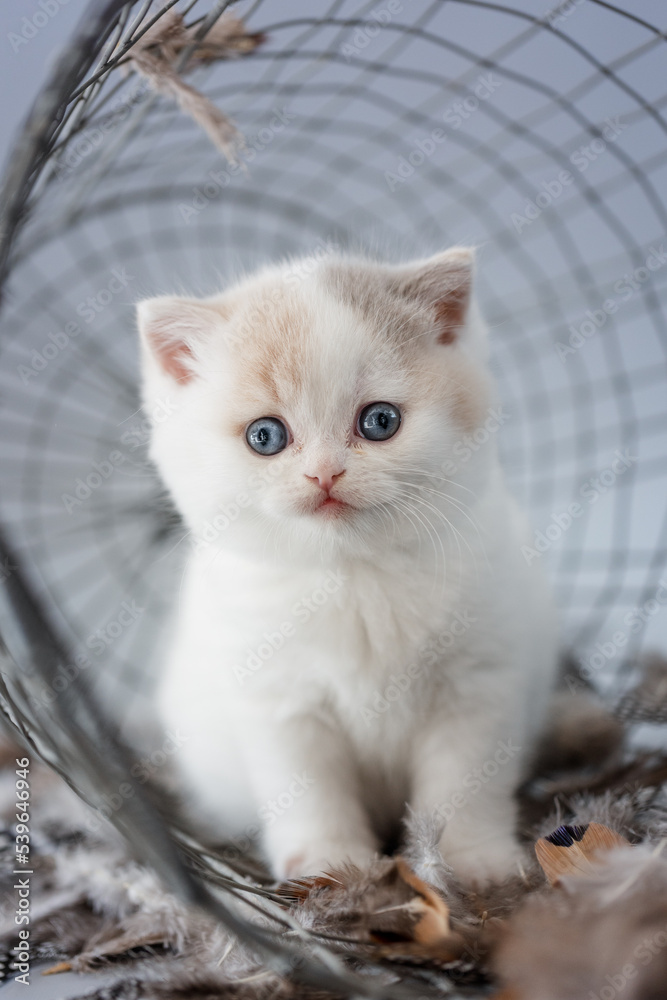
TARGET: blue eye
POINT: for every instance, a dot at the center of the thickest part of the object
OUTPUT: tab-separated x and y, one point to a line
379	421
267	436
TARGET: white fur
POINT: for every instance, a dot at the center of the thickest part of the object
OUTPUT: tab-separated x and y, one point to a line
328	741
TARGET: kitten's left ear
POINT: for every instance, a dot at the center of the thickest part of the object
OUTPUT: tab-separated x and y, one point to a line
443	282
171	329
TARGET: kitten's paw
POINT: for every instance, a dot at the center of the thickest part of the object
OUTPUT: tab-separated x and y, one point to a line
491	862
317	858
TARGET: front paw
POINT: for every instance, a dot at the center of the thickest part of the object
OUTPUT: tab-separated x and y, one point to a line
315	858
482	864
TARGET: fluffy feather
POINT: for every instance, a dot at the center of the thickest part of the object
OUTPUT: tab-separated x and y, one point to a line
92	901
602	935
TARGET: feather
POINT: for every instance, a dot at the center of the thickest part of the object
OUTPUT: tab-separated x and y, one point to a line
573	850
387	904
604	921
155	53
602	933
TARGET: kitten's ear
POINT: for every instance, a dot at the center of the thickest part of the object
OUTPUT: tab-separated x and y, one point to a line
445	283
170	329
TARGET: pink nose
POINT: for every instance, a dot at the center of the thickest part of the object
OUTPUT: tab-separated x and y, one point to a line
325	480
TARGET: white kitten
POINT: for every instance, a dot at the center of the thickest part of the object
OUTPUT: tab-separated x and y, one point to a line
358	631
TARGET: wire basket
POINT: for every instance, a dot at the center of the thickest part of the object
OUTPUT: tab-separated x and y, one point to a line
399	127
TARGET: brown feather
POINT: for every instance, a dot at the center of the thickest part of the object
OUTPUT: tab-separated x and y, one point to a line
575	850
154	56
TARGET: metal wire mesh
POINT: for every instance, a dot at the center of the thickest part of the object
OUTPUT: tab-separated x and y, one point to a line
403	127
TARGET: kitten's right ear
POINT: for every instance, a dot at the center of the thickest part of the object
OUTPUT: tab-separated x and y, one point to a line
444	283
171	328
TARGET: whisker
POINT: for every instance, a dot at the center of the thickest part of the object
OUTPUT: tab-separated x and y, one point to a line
440	513
458	536
424	472
461	508
431	530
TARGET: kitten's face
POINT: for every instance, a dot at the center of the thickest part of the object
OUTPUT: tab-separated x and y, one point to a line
320	415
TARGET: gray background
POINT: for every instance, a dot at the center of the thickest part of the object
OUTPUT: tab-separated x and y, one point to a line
23	70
